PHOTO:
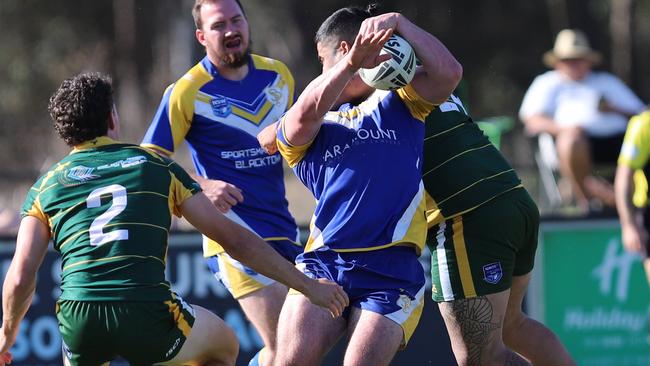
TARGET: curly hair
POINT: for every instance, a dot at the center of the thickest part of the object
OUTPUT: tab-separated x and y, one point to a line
81	107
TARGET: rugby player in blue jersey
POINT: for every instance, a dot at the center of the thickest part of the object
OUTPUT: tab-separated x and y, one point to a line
218	107
362	162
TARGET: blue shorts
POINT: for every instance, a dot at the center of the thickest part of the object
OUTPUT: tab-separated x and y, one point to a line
239	279
388	281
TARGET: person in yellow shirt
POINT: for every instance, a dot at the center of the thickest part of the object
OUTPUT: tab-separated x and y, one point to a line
631	188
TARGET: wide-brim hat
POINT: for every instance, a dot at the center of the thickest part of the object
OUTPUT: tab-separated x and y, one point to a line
571	44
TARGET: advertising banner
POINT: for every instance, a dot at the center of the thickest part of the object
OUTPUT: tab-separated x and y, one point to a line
39	342
592	293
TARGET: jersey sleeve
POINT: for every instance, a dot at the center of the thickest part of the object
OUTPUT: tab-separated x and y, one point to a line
182	187
32	204
173	118
636	144
293	154
418	106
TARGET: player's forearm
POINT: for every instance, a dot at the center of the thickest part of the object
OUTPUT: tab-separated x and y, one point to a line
261	257
17	292
443	71
624	191
303	120
20	281
241	243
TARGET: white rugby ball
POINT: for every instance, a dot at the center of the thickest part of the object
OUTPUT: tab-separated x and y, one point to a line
396	72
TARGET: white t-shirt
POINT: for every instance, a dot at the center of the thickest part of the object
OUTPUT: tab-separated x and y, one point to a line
575	103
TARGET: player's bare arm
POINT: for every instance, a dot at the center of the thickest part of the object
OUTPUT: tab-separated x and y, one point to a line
440	72
20	282
302	121
633	233
249	249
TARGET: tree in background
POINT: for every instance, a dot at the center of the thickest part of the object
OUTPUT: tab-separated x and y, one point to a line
144	44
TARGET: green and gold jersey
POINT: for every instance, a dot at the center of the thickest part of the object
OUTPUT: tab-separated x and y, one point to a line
462	169
108	207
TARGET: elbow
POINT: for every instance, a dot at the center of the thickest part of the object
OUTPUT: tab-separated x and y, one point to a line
456	72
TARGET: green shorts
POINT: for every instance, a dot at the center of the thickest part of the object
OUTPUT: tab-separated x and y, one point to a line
143	333
477	253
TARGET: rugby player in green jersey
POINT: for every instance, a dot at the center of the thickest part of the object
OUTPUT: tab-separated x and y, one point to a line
107	209
483	236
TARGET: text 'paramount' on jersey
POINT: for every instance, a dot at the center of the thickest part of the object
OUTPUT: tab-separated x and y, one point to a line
364	169
108	207
220	120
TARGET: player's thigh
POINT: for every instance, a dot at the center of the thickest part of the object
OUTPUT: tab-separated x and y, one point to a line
262	307
209	340
374	339
85	332
305	332
478	253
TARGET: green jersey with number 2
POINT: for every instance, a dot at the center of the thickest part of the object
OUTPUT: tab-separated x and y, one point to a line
108	207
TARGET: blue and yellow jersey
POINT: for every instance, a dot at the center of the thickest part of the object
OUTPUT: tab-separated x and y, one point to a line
220	120
635	154
108	207
364	169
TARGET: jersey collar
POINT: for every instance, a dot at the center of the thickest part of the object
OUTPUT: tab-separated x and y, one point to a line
214	72
91	144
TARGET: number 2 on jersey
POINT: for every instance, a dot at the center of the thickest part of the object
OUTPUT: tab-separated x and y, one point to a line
118	204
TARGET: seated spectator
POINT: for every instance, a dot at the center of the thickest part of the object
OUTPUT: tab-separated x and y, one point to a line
585	111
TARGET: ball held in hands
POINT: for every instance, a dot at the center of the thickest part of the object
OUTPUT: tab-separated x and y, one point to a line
396	72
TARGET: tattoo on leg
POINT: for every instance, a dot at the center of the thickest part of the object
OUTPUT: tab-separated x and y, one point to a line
474	317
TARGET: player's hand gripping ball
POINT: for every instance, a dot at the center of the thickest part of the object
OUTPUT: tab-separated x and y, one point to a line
396	72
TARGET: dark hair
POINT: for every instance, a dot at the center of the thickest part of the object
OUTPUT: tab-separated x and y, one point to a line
344	24
196	11
81	107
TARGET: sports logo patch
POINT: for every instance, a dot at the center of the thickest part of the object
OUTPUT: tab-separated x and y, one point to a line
274	95
66	350
220	106
404	302
492	273
81	173
77	175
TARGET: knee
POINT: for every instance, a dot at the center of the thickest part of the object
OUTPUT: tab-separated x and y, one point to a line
571	140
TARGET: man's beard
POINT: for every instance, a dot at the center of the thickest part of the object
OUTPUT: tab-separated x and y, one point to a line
236	61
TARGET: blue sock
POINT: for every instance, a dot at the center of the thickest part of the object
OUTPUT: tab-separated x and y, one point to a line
257	359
